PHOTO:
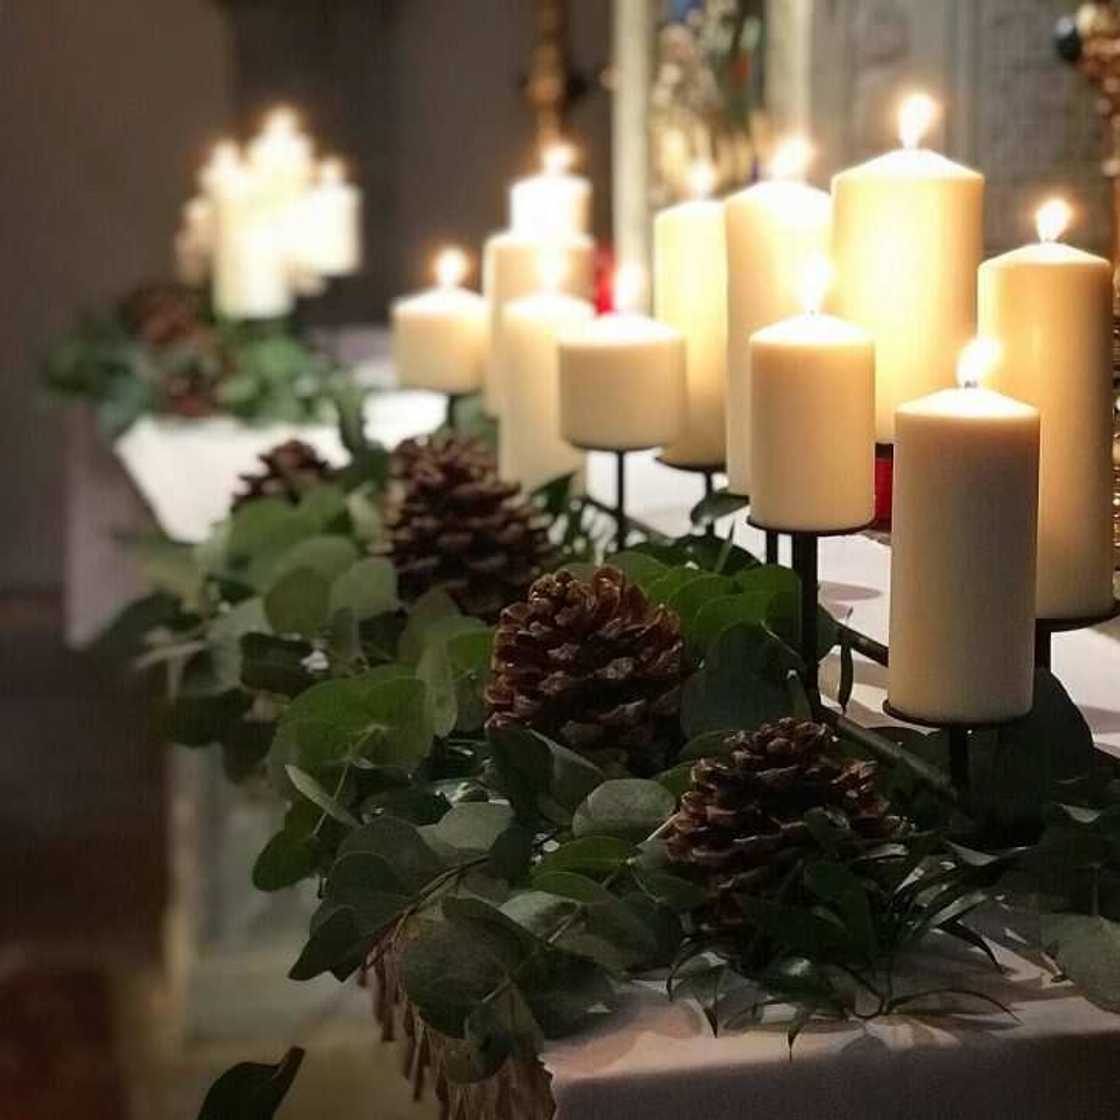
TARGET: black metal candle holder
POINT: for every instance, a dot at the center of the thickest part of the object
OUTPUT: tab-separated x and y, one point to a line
450	417
618	510
806	563
1046	628
772	535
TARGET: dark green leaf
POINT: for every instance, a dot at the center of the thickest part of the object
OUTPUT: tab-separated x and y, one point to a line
285	860
630	808
367	588
401	845
596	856
512	852
298	603
270	664
717	505
471	828
251	1090
1088	950
315	793
198	721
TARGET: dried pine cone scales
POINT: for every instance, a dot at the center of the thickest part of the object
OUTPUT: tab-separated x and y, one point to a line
594	666
742	822
291	469
453	523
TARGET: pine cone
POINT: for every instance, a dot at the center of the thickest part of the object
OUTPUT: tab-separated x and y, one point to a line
162	314
741	825
594	666
291	469
453	523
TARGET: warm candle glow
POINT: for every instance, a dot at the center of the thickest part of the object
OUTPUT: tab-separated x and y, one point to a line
552	267
558	158
791	159
452	266
1052	219
702	178
332	171
816	282
976	362
282	121
915	119
629	281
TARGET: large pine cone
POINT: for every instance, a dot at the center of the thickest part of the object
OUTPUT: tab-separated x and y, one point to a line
594	666
453	523
291	469
162	314
742	826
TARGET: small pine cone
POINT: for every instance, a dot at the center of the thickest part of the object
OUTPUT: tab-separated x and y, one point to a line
593	665
162	314
741	825
453	523
291	469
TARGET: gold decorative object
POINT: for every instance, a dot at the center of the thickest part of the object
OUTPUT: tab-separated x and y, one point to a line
546	87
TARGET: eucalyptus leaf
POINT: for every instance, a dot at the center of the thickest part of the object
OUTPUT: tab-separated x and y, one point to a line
327	555
315	793
1088	950
367	588
628	808
252	1090
471	828
398	843
271	664
717	505
637	567
298	603
284	861
594	856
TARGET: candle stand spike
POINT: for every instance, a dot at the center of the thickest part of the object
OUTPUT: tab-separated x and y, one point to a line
620	499
772	541
450	418
1046	628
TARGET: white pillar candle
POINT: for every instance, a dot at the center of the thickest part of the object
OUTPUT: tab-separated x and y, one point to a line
511	269
622	379
328	224
774	229
530	448
907	240
1050	307
281	157
554	203
250	256
812	409
690	294
439	336
963	548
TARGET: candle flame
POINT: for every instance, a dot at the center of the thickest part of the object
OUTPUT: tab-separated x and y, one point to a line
552	267
915	118
558	158
332	171
629	281
225	156
976	362
791	159
1052	219
452	266
282	121
702	178
815	283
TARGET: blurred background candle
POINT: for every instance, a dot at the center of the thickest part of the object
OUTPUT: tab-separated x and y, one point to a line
690	294
281	157
1050	306
622	378
907	241
554	202
812	435
963	548
511	269
530	448
774	229
329	223
439	336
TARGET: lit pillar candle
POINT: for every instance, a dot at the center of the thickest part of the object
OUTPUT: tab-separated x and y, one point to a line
907	240
439	336
251	278
511	269
530	448
622	379
690	294
554	202
281	157
774	229
963	548
812	409
328	223
1050	307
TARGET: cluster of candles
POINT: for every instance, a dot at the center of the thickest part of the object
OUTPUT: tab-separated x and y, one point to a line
1002	490
269	223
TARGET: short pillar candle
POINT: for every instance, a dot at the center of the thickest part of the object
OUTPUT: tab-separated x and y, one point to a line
963	548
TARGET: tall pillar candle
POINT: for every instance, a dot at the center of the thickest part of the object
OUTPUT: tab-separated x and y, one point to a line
812	411
511	269
774	229
531	449
690	294
963	550
622	381
554	203
1050	307
329	229
439	336
907	240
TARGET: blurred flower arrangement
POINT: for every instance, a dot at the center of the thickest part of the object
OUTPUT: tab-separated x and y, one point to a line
707	94
162	351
